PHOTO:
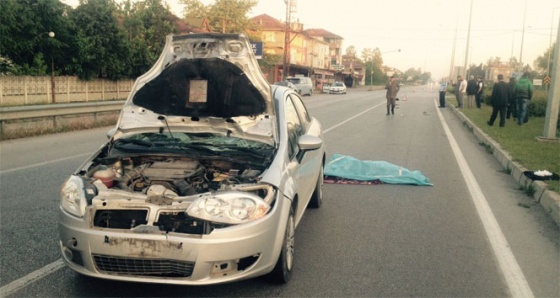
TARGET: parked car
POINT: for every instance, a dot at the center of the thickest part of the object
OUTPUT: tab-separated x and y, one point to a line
326	88
303	84
337	88
205	177
287	84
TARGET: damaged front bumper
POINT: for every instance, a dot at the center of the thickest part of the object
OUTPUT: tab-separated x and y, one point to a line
192	256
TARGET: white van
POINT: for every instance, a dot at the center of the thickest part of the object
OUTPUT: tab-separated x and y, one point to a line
303	84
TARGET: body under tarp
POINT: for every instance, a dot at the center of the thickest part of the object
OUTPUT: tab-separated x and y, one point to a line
348	167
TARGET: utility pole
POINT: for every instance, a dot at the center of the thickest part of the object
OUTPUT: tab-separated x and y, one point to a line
468	42
287	29
523	36
551	118
453	52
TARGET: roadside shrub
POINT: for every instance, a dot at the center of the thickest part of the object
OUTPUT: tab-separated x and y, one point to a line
537	108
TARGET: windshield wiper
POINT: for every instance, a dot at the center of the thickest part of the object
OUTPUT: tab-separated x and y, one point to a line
121	142
258	152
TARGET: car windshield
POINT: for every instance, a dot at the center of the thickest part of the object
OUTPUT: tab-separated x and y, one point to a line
294	81
338	84
193	144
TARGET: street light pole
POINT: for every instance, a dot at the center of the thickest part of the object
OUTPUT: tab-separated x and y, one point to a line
53	92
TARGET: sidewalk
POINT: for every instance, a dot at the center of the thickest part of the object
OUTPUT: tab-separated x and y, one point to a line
549	200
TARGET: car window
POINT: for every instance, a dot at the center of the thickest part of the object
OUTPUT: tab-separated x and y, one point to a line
301	110
295	128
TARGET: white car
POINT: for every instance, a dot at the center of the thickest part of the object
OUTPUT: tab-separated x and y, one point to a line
337	88
205	177
287	84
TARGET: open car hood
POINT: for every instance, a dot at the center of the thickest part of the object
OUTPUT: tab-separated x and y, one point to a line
202	82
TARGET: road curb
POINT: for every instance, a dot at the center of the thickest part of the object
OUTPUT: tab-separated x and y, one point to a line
548	199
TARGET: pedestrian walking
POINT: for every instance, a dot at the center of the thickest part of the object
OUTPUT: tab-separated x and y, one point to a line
442	91
471	91
460	91
523	93
499	101
512	105
479	91
392	87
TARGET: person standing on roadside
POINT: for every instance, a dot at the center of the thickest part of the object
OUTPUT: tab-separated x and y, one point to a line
499	100
479	92
442	91
512	105
471	91
523	93
392	90
460	91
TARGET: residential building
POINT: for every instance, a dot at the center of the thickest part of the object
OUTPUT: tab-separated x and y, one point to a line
312	53
333	64
191	25
353	72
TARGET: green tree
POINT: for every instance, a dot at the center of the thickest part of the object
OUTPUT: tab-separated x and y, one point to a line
477	71
101	44
146	24
374	62
194	9
229	16
25	40
545	61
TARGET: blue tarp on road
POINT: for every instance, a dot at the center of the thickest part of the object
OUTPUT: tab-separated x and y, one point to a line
348	167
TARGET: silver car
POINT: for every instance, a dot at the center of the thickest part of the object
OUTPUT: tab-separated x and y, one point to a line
205	177
337	88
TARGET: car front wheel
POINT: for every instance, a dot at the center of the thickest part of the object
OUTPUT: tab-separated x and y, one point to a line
317	196
283	270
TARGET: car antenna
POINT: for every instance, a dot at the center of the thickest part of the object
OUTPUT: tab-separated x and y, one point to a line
161	117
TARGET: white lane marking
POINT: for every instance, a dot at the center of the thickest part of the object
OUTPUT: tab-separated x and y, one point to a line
34	276
513	275
351	118
43	163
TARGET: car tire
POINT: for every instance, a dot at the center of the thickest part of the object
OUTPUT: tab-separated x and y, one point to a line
317	197
282	272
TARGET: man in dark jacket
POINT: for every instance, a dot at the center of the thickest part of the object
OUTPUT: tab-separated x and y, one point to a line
499	100
523	93
471	91
479	91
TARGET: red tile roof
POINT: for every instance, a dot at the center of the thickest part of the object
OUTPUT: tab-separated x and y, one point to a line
267	22
321	33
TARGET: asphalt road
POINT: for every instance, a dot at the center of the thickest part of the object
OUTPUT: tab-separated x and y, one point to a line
472	234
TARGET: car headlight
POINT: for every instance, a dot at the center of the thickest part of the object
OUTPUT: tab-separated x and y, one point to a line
233	207
72	196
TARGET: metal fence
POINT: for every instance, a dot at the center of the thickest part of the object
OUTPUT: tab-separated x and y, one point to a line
28	90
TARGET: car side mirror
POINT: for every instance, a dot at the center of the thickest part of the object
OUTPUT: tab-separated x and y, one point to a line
309	142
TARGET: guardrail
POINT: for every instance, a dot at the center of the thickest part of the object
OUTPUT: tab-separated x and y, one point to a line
24	121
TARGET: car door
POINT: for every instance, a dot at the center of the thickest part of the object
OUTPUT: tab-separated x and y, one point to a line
304	165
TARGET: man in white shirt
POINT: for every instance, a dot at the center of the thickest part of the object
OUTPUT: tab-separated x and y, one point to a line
460	91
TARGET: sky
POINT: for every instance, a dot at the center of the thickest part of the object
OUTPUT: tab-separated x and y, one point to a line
427	31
